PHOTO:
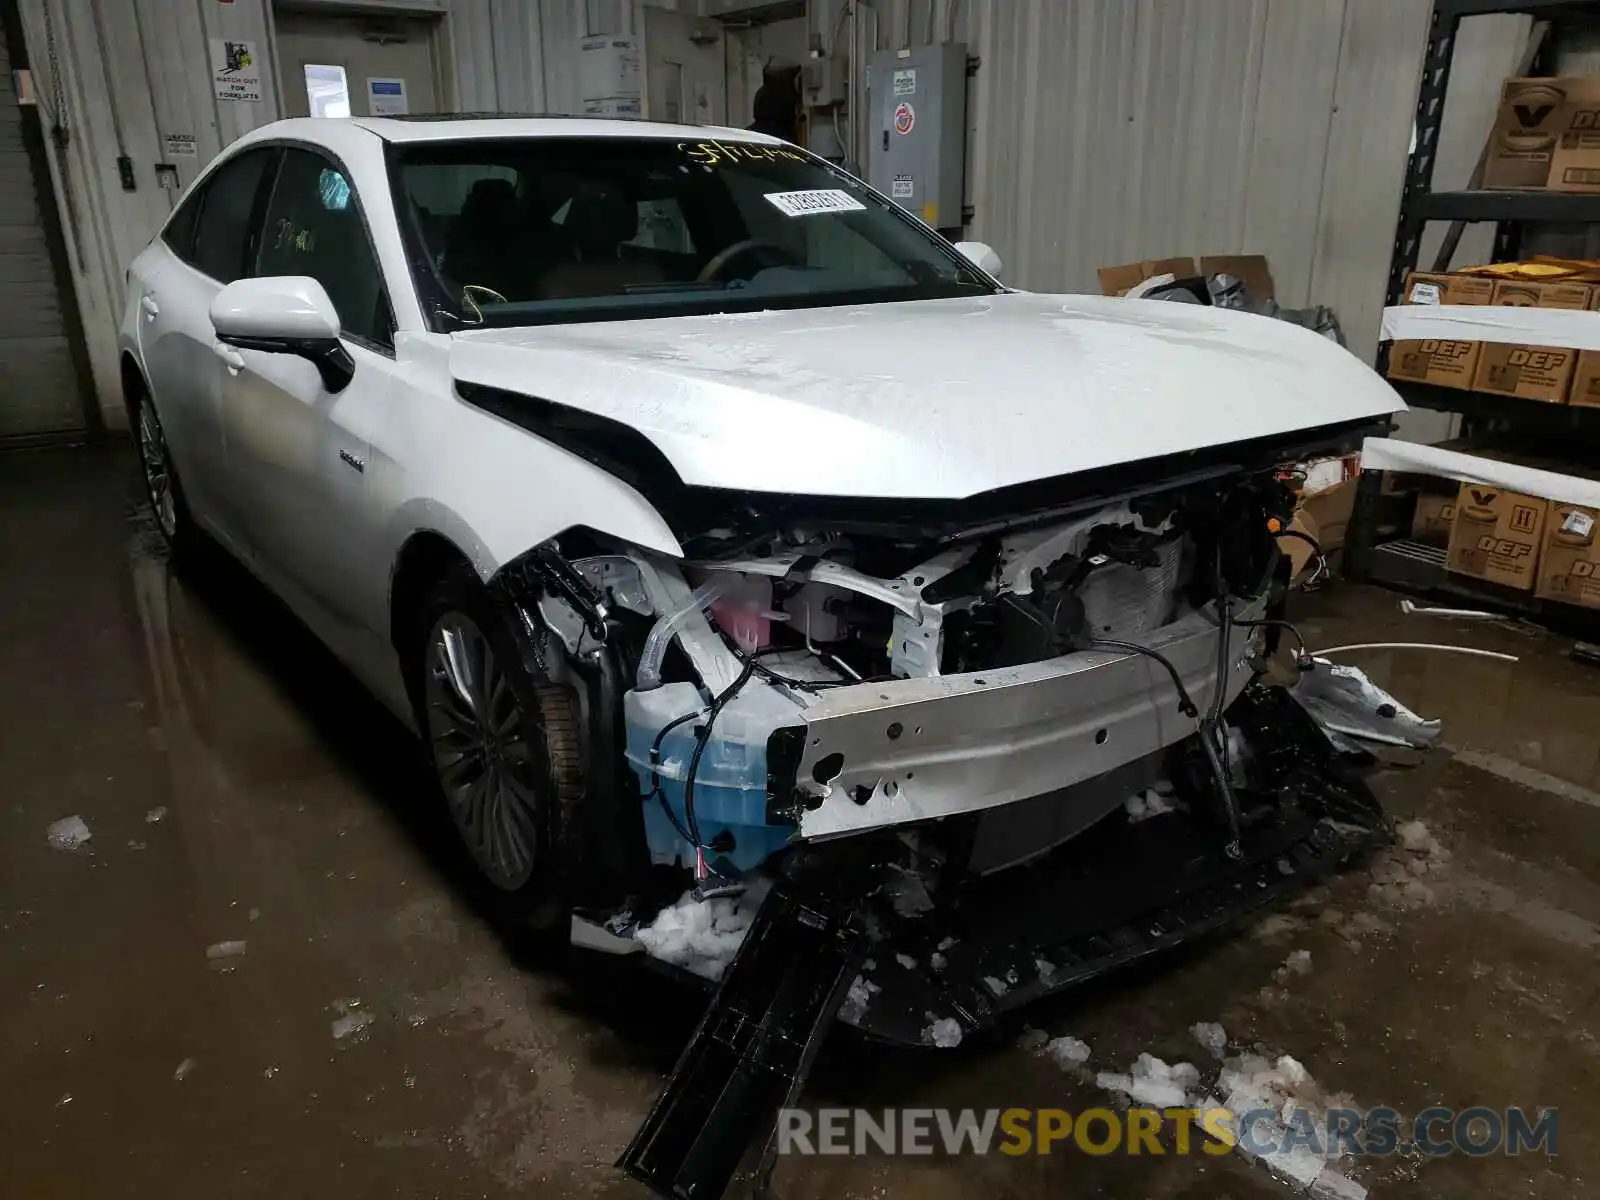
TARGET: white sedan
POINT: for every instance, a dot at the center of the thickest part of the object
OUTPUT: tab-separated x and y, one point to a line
698	506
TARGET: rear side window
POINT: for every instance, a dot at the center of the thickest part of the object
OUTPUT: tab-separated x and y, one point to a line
314	227
222	226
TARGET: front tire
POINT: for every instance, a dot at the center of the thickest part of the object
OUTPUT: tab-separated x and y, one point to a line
503	742
162	486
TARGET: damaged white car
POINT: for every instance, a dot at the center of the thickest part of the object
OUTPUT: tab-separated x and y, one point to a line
709	516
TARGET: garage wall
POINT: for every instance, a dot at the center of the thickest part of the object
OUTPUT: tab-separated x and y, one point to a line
134	71
1107	131
1102	130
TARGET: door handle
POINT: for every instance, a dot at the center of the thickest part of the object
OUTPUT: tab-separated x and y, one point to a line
231	358
151	308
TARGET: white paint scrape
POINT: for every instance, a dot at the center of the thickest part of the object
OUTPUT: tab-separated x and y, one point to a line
703	935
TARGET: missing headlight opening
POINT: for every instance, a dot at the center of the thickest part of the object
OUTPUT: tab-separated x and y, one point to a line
898	729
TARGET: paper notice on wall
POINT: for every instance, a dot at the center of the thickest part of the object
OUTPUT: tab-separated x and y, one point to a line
180	145
610	76
903	187
235	70
387	98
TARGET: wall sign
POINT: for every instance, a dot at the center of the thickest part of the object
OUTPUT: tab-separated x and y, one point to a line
387	97
905	118
903	187
235	70
610	76
905	81
180	145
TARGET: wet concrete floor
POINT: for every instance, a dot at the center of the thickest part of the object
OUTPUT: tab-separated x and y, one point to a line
378	1036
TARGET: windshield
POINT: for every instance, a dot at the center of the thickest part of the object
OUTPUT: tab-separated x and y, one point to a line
527	231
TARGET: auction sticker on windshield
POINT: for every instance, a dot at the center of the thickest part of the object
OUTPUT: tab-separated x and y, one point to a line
814	200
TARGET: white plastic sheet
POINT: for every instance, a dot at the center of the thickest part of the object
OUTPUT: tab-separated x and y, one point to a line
1494	323
1389	454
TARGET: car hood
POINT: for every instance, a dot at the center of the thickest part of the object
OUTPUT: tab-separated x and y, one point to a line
934	399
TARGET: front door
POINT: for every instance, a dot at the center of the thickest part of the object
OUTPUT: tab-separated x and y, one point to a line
346	66
296	453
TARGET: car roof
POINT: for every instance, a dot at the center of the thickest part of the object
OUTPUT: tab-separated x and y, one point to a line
461	126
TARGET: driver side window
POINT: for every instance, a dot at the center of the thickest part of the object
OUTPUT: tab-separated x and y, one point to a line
314	227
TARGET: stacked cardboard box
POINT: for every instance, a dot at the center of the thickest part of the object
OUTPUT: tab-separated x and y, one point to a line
1497	535
1440	361
1546	135
1569	565
1531	372
1550	374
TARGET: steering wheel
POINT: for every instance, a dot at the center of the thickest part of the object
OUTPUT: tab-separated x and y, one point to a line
713	269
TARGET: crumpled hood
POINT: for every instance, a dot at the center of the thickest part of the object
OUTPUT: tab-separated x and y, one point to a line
938	399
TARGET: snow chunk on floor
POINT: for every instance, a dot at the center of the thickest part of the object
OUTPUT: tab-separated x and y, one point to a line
1298	963
944	1033
1153	1083
854	1006
1417	838
1212	1036
69	833
1067	1052
1141	806
703	935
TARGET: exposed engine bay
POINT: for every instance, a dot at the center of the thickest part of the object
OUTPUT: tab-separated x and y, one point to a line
916	745
804	682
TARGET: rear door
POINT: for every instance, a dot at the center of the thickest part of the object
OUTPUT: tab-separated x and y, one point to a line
297	453
205	246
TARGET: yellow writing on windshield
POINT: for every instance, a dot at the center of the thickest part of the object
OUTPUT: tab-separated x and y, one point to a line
711	154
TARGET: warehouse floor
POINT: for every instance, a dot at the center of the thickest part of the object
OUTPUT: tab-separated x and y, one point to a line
374	1036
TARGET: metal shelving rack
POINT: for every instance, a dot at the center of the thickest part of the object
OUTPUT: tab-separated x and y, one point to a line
1568	431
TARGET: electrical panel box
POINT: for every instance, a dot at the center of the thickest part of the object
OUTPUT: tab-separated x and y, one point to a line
918	130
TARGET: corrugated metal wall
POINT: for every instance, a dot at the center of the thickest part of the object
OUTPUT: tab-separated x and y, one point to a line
1113	130
1102	130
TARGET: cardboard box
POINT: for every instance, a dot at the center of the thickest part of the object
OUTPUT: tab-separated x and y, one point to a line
1250	269
1433	517
1115	281
1585	389
1527	127
1569	564
1439	361
1531	372
1496	535
1576	165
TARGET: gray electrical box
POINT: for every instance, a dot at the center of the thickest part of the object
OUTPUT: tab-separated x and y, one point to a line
918	130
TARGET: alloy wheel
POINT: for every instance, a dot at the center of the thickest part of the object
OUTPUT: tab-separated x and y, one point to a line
487	770
157	471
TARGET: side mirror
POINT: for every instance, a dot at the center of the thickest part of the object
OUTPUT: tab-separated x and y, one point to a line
980	255
284	314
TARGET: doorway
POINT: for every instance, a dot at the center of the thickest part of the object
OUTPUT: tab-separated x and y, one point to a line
685	79
354	66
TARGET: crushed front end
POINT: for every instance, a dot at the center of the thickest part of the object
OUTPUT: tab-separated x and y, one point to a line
977	757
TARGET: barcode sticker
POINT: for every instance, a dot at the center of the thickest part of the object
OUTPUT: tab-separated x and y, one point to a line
1424	293
1580	523
816	200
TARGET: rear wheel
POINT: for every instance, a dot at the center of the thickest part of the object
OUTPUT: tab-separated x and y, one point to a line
503	742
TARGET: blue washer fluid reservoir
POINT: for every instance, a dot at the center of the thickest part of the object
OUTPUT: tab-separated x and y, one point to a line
730	788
